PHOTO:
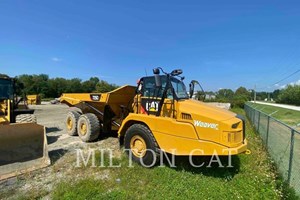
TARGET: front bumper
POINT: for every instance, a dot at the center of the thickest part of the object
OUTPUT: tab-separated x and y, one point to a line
185	146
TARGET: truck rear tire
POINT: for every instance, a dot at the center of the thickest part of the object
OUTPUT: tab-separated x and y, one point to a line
26	118
141	145
71	122
88	127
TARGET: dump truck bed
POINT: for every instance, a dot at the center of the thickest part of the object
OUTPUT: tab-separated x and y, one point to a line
122	96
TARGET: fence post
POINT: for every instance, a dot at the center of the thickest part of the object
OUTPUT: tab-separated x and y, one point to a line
250	114
268	129
258	121
291	156
253	116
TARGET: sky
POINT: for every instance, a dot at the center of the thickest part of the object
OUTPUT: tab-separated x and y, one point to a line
222	44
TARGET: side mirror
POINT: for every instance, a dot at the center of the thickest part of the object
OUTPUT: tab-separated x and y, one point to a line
156	71
176	72
157	77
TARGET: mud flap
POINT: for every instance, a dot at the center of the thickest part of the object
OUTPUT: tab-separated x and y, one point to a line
23	148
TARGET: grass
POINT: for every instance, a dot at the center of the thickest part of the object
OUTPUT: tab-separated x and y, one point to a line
290	117
252	177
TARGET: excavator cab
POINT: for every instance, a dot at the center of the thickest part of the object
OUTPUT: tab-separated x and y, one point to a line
23	143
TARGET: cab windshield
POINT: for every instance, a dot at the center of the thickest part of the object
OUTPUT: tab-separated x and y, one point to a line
6	89
179	88
149	89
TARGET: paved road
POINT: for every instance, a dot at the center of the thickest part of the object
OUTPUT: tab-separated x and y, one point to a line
297	108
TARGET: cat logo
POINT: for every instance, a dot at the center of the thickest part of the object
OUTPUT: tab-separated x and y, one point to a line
95	97
152	106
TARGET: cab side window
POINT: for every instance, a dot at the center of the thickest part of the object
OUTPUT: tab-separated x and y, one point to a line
149	87
150	90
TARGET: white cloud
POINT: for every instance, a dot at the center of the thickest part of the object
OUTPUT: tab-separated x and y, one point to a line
55	59
282	87
296	82
285	85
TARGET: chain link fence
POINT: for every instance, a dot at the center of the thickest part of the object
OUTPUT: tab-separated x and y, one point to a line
282	143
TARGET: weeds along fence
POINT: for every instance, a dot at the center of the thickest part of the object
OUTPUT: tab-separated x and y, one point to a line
282	143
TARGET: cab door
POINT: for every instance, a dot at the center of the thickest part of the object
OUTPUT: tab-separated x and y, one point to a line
150	97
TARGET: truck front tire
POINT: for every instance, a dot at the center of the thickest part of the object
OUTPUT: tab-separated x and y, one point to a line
141	145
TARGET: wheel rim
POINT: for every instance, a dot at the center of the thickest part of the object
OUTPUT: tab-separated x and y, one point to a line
69	123
83	129
138	146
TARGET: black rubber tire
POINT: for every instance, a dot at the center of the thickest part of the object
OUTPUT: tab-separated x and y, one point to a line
150	159
78	110
74	116
92	127
26	118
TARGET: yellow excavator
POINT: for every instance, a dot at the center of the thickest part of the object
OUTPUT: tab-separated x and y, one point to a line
23	143
157	115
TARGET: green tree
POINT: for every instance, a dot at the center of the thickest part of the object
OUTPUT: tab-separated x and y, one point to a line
242	91
35	84
52	88
104	86
224	95
275	94
261	96
290	95
57	86
90	85
241	95
74	86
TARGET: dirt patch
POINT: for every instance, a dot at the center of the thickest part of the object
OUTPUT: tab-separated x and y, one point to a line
63	154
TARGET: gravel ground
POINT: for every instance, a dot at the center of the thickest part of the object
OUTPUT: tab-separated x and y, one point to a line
62	152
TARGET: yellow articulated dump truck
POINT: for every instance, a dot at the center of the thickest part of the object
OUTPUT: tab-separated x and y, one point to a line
23	143
157	115
34	99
